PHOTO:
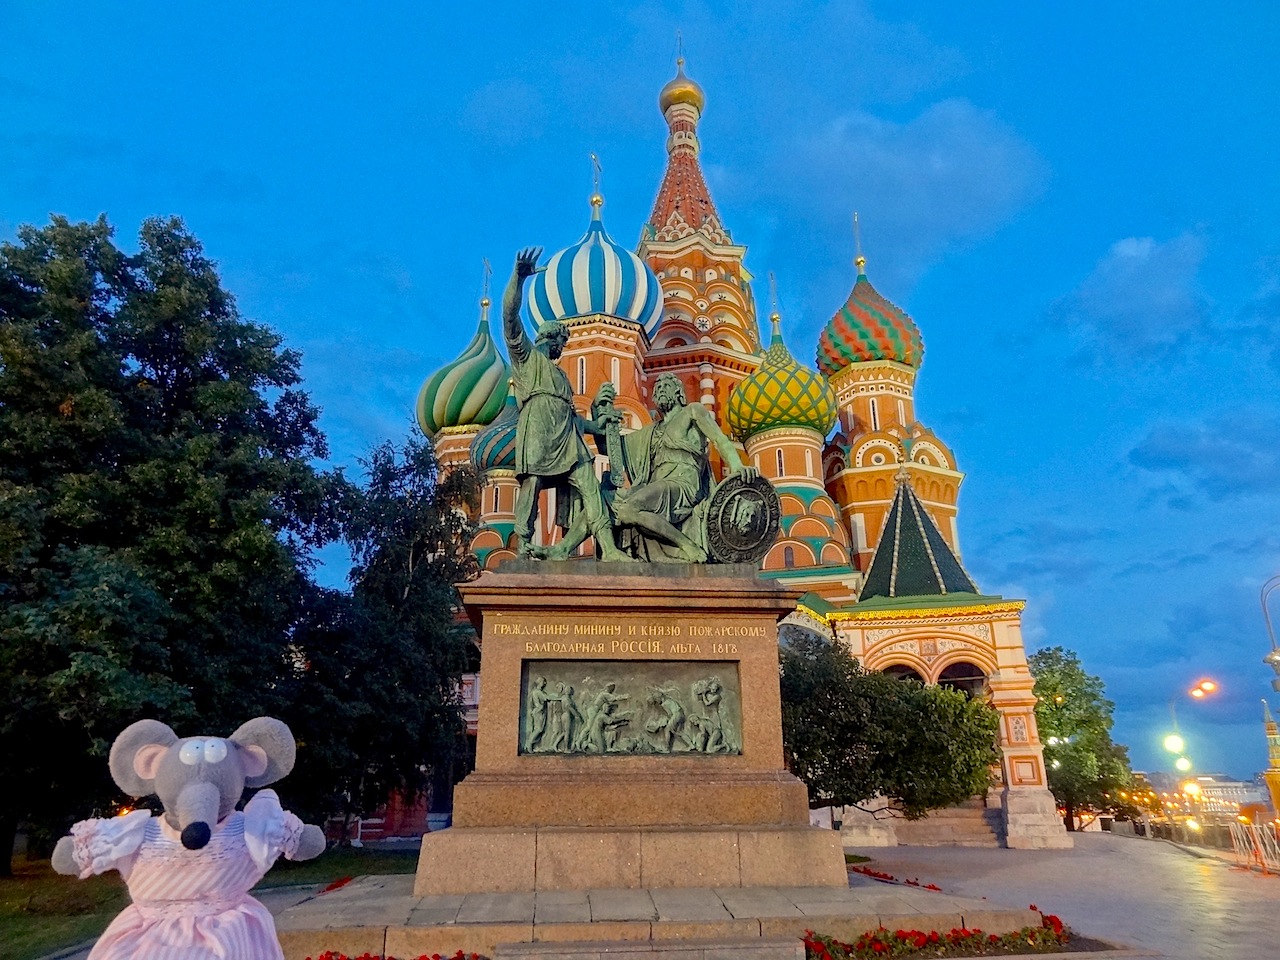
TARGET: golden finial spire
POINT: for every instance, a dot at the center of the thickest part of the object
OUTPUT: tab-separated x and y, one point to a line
484	284
679	50
775	318
859	260
597	198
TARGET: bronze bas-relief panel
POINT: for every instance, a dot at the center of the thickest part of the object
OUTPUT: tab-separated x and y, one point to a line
621	707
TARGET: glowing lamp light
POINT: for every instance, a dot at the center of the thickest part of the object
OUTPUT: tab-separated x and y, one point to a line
1197	692
1191	787
1183	764
1174	743
1193	824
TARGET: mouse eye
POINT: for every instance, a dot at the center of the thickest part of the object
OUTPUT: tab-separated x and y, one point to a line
215	751
192	752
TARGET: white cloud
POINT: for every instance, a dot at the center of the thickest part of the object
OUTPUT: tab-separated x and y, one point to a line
951	175
1140	299
1225	458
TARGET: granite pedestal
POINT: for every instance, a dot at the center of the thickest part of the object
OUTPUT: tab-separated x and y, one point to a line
701	800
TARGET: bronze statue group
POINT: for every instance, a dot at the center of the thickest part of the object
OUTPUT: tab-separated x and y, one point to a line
661	515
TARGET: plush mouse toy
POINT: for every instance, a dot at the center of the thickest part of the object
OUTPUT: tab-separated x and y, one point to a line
190	870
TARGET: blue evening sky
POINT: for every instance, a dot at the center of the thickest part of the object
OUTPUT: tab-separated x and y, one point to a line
1078	203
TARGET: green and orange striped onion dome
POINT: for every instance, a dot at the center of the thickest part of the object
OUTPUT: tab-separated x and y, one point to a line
782	393
494	447
868	327
470	390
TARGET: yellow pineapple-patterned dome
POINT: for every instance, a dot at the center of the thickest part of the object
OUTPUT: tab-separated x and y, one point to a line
782	393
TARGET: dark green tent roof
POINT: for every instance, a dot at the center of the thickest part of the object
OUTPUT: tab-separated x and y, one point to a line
912	559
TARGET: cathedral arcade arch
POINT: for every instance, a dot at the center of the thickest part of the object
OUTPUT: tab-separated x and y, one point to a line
900	671
966	677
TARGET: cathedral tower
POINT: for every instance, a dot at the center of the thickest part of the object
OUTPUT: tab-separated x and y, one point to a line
782	413
871	352
708	335
464	395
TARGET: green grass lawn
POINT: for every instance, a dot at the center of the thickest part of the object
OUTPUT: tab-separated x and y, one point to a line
42	912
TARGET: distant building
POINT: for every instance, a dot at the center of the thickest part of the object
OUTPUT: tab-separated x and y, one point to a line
868	491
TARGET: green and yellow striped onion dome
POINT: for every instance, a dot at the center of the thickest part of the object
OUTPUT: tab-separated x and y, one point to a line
782	393
868	327
494	447
470	390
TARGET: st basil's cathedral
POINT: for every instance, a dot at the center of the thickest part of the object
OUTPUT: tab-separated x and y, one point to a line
868	493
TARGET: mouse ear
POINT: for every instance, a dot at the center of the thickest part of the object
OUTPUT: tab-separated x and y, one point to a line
269	738
136	753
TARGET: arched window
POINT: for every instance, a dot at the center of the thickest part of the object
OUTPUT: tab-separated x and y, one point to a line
875	414
900	671
781	466
495	498
965	677
582	374
788	557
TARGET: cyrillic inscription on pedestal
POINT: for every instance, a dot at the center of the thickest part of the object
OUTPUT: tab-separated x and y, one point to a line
630	707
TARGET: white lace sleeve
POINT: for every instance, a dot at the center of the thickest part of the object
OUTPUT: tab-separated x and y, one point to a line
100	845
270	831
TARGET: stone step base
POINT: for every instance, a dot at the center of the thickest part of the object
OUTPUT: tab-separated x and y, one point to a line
760	948
382	916
967	825
464	860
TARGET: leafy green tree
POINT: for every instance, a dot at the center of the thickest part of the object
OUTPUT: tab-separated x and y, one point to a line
852	735
377	690
1087	770
158	499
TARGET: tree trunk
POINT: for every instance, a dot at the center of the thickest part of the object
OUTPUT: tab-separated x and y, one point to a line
1069	817
8	834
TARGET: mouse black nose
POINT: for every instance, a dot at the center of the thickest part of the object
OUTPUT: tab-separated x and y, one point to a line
196	835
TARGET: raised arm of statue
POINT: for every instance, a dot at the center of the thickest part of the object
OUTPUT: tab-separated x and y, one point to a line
728	452
518	343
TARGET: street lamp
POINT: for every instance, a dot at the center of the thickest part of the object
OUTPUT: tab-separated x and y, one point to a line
1272	659
1201	689
1174	742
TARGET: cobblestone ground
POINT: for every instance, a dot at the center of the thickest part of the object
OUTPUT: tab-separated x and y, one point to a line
1141	893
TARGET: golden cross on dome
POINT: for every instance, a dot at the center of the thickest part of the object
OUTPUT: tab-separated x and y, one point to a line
597	198
858	259
488	271
679	49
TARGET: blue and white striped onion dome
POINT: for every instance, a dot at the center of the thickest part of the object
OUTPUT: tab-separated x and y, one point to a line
470	389
597	275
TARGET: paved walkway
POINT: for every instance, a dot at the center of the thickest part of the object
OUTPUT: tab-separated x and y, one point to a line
1143	893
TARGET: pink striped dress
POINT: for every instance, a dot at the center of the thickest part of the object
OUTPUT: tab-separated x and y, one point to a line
189	904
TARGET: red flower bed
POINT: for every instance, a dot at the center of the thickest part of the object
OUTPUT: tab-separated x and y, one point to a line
890	878
1050	936
460	955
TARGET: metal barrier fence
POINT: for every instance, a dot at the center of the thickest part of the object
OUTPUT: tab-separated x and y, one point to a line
1256	845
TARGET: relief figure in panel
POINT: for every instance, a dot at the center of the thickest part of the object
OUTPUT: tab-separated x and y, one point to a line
656	708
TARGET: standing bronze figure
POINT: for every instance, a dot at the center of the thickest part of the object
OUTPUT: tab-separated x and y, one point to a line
550	449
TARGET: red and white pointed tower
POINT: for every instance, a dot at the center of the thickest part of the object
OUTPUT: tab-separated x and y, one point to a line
708	336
